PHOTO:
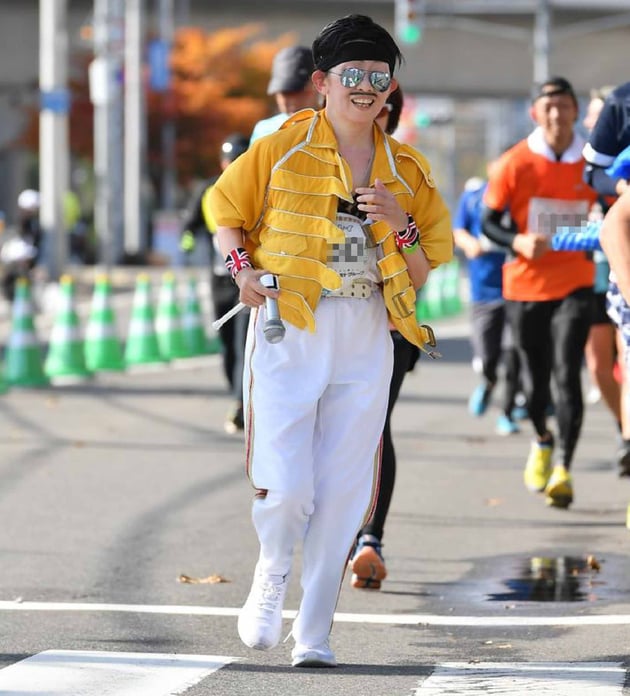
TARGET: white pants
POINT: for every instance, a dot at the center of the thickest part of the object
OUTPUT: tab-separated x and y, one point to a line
315	408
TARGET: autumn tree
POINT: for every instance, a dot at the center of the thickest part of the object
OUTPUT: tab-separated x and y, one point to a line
218	86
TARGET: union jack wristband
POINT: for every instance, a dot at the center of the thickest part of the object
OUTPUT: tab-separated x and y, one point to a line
408	239
236	261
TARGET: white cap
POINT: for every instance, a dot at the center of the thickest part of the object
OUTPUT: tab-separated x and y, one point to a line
28	200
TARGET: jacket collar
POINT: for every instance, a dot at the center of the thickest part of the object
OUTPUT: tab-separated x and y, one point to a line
320	134
538	145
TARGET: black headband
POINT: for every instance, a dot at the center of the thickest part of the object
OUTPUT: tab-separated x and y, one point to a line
359	49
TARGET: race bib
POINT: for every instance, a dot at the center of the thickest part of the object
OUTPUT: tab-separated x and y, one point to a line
355	257
545	215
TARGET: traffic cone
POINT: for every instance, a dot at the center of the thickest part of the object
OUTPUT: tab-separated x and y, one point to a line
422	307
214	345
451	295
23	364
168	323
142	345
433	294
65	357
195	340
103	349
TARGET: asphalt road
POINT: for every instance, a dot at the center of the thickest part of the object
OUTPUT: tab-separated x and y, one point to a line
111	490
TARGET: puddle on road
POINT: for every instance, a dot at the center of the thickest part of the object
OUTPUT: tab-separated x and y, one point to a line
548	579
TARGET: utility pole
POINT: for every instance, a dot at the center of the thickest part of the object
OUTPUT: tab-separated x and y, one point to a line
166	21
135	131
542	33
54	166
106	95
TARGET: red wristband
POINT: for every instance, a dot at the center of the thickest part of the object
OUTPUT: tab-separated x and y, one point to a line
409	237
236	261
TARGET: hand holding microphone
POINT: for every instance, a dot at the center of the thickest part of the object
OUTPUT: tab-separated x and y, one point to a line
273	329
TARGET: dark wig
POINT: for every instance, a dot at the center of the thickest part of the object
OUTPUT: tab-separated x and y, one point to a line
393	117
354	37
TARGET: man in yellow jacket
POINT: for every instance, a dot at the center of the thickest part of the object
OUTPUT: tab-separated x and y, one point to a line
295	205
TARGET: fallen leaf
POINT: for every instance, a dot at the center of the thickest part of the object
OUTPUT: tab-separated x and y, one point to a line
210	580
593	563
493	502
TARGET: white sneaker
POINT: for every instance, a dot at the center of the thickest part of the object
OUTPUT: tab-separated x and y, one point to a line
260	619
319	656
593	395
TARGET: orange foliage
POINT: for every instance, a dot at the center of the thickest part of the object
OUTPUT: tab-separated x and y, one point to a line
219	86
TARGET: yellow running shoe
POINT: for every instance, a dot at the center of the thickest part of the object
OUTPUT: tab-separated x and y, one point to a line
559	488
538	467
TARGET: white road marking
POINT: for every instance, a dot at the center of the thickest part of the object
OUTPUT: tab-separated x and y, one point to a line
340	617
540	678
92	673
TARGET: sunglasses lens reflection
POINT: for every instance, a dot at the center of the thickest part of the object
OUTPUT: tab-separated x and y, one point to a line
352	78
380	81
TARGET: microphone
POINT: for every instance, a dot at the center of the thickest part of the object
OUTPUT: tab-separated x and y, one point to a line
274	328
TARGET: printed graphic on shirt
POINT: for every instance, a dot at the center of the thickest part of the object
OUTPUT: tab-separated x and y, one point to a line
545	215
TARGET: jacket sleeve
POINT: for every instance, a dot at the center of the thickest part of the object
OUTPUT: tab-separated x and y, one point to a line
237	198
430	213
491	224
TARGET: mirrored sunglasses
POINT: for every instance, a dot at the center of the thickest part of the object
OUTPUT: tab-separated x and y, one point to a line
353	77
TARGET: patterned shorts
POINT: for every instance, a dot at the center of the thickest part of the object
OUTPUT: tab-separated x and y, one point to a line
619	311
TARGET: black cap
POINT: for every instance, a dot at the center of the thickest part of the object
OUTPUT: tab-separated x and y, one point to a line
291	70
233	146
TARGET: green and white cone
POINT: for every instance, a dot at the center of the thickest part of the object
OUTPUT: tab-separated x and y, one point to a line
103	349
142	345
433	294
66	357
168	324
451	293
195	340
23	364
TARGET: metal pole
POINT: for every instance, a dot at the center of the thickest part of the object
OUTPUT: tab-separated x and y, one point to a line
117	137
183	13
53	124
135	140
166	21
542	33
100	89
106	96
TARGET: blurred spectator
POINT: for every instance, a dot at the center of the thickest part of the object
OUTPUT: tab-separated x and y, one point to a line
615	240
609	138
21	251
367	563
549	293
291	86
224	290
490	335
600	350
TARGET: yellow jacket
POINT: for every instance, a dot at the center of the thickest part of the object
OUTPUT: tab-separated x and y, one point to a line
284	193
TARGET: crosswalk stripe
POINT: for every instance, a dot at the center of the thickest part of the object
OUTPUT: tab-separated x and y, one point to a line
505	621
94	673
510	678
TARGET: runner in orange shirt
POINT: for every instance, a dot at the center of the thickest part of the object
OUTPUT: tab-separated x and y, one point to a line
549	294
